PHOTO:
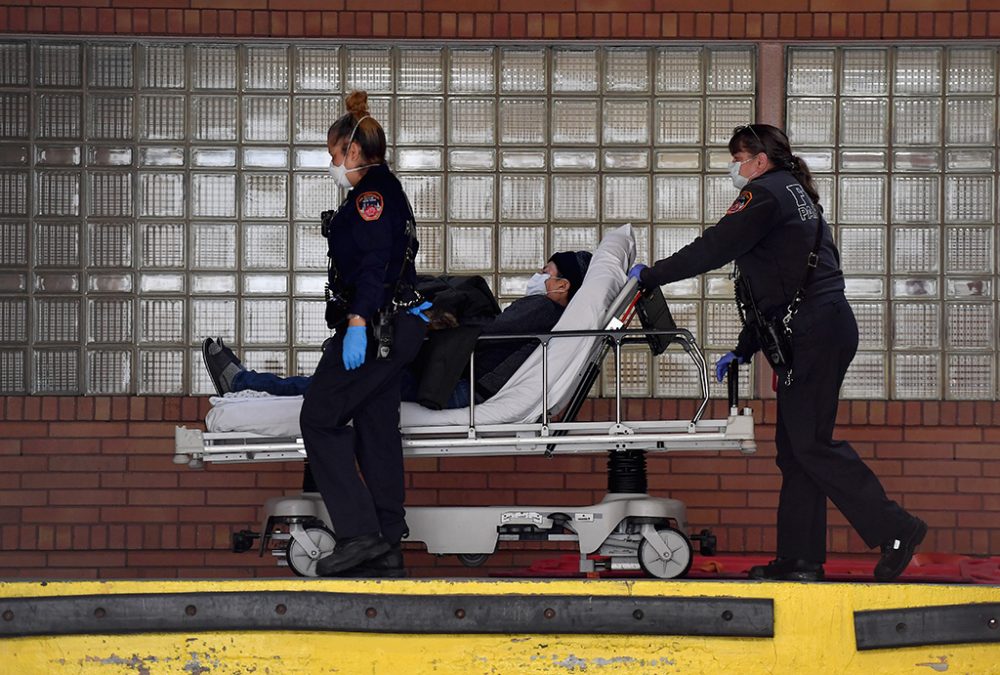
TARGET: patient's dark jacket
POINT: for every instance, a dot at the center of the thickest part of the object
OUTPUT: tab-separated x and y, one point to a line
498	360
444	359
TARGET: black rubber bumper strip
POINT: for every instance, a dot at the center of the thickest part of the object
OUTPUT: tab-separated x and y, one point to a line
937	625
378	613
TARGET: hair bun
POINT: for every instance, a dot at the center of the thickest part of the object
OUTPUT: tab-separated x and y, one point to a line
357	103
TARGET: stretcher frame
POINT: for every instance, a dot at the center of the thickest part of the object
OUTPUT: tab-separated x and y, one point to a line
627	530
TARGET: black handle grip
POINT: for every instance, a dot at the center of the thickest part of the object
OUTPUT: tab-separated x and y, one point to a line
733	383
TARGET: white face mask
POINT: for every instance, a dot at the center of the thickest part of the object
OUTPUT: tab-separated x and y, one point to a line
734	172
536	284
339	171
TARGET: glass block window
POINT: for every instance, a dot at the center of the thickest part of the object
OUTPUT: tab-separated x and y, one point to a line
154	193
903	143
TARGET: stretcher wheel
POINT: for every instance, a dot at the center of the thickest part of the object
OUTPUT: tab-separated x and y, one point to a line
243	541
707	542
473	559
298	558
680	560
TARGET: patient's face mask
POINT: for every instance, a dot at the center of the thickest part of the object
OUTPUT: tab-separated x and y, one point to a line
536	284
739	181
340	171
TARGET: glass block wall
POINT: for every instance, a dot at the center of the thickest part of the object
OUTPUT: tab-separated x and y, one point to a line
155	193
904	144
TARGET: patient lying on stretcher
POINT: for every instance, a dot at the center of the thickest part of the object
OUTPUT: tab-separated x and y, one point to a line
431	381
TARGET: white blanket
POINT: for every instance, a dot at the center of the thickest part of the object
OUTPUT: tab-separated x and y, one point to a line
519	400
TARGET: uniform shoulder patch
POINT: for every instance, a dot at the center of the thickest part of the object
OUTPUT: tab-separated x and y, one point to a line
370	205
740	203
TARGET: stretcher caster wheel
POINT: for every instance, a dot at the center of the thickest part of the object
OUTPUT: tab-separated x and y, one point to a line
299	559
473	559
676	564
243	541
706	542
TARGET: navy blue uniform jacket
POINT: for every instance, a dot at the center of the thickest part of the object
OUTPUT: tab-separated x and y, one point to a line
367	242
769	231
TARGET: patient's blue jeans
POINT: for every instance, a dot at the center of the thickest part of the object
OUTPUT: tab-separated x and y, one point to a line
271	383
297	385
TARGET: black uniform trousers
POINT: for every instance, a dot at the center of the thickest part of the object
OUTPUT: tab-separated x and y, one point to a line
368	396
813	465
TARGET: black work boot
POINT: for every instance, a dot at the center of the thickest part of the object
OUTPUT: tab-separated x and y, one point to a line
351	552
388	566
897	552
787	569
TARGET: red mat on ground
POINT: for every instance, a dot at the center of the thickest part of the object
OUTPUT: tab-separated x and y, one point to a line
924	568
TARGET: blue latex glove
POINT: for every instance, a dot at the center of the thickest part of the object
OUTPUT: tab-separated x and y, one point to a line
355	343
722	365
636	271
419	311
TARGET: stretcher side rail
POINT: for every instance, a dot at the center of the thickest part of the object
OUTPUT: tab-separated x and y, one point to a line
614	337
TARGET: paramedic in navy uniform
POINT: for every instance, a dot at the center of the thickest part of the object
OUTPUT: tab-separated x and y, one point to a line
769	231
351	409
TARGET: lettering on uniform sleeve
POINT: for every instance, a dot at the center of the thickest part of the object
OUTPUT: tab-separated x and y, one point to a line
740	203
807	210
370	205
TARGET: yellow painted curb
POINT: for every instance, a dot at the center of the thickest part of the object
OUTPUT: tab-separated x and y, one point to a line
814	633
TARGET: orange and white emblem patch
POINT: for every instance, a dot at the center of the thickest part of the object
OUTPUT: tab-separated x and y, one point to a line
740	203
370	205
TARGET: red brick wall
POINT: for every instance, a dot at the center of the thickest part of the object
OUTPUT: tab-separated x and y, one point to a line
512	19
87	485
88	488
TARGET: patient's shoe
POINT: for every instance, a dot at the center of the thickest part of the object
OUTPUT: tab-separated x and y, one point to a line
228	352
351	552
388	565
897	552
222	364
787	569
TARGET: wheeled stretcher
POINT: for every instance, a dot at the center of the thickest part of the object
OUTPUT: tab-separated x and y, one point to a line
533	414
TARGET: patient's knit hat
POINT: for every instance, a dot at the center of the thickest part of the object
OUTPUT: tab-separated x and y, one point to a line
572	267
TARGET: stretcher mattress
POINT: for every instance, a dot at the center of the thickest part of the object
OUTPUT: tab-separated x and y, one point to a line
520	400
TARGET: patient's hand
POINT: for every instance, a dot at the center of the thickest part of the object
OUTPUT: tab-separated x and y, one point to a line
440	319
